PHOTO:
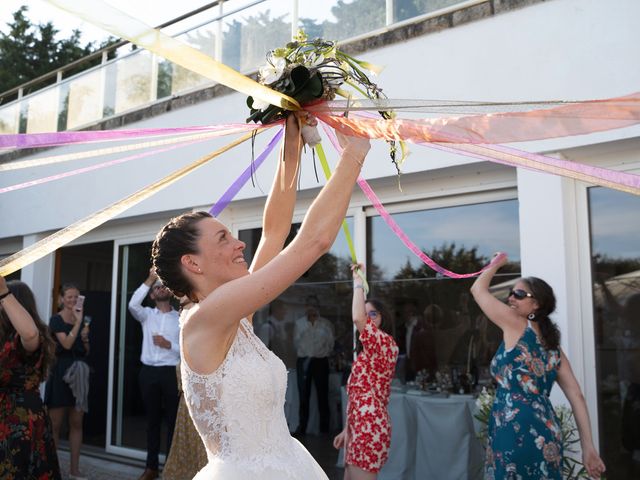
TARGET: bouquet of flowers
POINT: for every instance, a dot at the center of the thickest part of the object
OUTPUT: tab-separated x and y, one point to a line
484	404
311	71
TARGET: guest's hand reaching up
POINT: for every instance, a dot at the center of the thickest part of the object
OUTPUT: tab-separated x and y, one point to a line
356	146
357	270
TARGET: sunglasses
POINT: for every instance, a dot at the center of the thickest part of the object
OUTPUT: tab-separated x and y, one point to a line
373	314
520	294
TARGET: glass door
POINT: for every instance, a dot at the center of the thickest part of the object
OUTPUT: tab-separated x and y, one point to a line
615	257
126	419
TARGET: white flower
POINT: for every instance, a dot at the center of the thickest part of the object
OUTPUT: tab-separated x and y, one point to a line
259	104
314	59
540	442
272	73
331	75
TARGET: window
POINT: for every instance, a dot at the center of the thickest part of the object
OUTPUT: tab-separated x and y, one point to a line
615	252
438	326
324	291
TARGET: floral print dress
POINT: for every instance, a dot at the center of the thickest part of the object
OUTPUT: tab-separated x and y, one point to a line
525	440
27	450
369	387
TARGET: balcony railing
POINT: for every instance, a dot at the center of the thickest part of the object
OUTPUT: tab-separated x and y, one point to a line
235	32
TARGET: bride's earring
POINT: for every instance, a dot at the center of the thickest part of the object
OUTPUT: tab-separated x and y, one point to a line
531	316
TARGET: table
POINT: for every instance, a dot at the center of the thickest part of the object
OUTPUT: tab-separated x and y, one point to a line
431	438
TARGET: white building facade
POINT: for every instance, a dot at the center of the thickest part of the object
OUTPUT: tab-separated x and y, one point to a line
570	233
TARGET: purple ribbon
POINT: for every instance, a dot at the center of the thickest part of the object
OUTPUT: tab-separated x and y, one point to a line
34	140
98	166
244	177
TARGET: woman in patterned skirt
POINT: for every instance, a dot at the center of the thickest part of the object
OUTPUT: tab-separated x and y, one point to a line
367	434
187	455
525	439
26	352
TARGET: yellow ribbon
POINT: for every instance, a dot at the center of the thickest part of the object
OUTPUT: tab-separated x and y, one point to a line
51	243
122	25
345	227
53	159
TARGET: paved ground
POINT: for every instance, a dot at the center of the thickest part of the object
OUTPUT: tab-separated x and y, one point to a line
103	467
96	468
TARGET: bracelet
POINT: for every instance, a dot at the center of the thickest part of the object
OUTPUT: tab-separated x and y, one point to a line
359	162
71	334
355	159
5	294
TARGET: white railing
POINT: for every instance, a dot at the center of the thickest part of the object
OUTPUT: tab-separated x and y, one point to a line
235	32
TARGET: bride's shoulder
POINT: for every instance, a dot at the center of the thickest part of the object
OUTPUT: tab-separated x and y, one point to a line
204	347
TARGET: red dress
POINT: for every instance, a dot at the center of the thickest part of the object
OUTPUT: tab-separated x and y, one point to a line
369	387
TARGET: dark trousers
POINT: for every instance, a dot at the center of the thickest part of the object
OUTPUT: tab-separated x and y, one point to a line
314	370
159	388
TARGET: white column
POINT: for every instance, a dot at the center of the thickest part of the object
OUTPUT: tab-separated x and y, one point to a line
360	235
549	212
39	276
294	18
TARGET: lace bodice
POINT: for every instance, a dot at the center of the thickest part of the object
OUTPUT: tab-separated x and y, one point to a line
238	409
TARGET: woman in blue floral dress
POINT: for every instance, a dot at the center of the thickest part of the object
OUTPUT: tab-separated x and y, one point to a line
525	440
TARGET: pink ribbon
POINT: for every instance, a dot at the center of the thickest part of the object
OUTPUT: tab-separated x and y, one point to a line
98	166
395	228
49	139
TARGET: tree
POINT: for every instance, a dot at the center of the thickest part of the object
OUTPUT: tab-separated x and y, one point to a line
29	51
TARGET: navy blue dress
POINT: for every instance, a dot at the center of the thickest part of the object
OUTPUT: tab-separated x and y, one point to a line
525	439
58	393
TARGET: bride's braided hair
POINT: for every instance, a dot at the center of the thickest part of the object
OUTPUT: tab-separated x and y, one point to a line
177	238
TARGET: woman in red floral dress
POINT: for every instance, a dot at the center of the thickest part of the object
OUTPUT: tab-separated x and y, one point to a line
27	450
367	434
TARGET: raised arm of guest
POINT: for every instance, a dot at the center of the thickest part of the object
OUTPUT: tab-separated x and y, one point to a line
23	323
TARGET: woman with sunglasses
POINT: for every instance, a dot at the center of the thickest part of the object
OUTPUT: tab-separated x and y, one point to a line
525	438
367	433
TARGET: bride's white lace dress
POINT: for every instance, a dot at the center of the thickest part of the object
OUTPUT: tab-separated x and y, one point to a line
238	411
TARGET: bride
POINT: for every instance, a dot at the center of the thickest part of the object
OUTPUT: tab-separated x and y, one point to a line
233	385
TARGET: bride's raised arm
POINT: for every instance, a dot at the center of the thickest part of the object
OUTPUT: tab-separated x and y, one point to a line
196	255
238	298
278	210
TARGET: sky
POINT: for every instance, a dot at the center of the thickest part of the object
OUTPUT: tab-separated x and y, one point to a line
152	12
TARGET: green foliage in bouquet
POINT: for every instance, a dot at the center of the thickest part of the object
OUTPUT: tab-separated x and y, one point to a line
572	469
310	71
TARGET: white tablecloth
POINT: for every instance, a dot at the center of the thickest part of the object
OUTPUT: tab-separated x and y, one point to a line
431	438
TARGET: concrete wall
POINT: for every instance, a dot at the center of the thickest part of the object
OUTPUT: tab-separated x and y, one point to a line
560	49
